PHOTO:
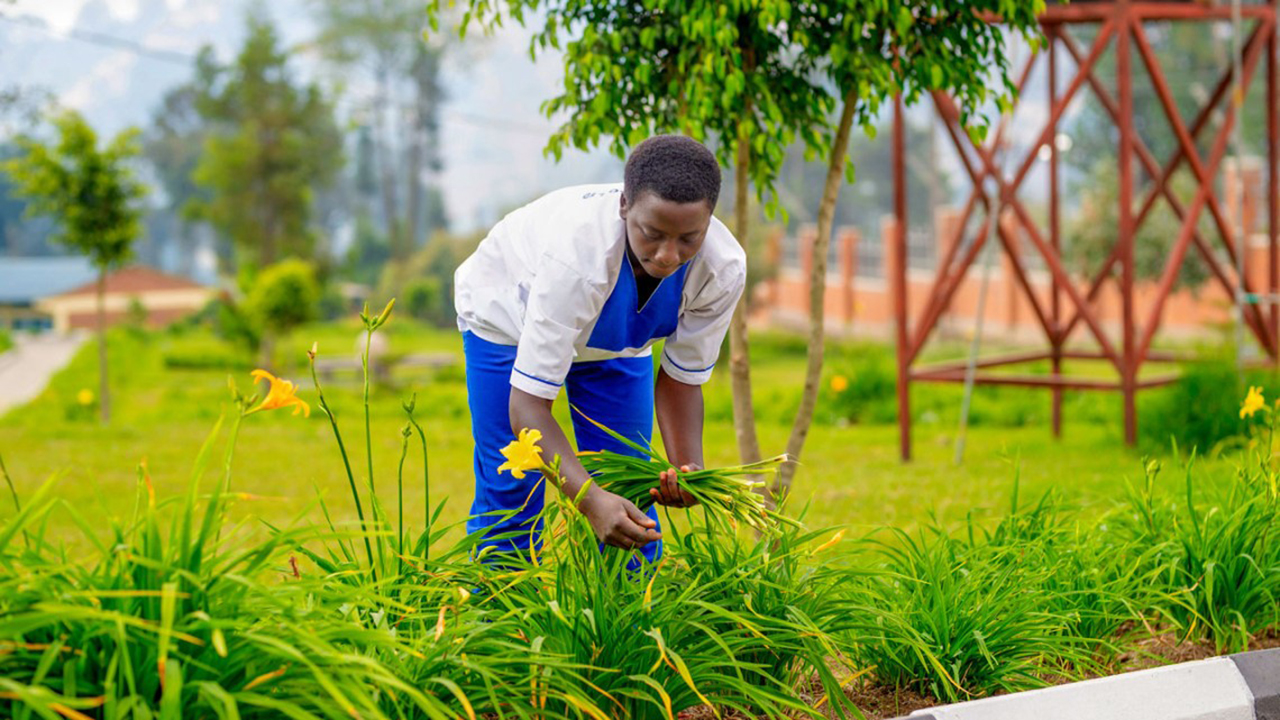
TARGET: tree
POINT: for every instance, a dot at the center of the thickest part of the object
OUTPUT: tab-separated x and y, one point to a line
729	72
173	145
93	195
21	110
385	39
1091	234
271	145
871	52
283	296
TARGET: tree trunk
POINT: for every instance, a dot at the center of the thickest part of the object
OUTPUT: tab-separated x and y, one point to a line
267	349
413	183
104	394
381	136
744	414
817	300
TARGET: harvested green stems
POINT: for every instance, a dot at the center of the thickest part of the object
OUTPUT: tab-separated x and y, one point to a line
733	493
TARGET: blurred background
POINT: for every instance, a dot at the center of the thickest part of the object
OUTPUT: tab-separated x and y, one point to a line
290	161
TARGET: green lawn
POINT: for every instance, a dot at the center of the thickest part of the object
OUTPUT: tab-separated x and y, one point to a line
851	474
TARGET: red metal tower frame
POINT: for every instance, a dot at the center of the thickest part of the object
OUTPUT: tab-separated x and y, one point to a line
1120	23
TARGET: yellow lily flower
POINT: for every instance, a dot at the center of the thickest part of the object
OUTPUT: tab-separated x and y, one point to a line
523	454
1253	402
283	393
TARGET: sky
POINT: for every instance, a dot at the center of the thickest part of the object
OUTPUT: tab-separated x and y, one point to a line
493	132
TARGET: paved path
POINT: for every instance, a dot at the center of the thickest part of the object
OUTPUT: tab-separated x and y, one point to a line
26	368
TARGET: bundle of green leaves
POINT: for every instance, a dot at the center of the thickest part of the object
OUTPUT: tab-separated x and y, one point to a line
728	493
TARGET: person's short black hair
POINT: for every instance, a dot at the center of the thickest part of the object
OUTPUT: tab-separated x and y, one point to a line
673	167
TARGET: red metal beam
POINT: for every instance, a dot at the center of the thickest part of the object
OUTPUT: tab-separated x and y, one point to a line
1020	275
1098	11
1153	356
1064	382
1273	202
945	280
1204	193
1055	239
1125	234
1160	178
1194	11
1122	18
1055	113
940	294
1007	193
1037	355
941	297
988	362
899	279
1202	119
1204	175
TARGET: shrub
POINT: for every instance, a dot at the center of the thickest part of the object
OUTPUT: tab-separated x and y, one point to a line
1200	410
175	619
958	617
424	300
861	387
228	321
284	296
1216	556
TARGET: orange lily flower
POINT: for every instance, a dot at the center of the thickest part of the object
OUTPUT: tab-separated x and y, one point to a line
282	393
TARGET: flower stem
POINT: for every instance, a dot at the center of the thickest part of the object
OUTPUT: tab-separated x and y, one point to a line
404	451
346	462
426	487
368	444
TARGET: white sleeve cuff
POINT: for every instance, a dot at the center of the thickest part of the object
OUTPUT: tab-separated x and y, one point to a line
683	373
535	386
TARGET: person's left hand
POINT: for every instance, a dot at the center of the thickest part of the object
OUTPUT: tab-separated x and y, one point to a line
669	492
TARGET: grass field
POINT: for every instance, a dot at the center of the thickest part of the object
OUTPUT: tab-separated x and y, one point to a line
944	590
851	474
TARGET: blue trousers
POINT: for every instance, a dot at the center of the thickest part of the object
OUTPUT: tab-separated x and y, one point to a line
617	393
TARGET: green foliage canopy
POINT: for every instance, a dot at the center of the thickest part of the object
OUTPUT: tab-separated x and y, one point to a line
271	145
712	70
284	296
91	191
769	71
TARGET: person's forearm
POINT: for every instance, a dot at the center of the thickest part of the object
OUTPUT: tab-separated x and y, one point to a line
679	410
530	411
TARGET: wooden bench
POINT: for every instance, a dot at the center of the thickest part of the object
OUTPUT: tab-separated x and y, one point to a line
328	367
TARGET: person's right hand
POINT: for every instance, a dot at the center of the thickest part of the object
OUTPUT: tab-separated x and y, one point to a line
617	521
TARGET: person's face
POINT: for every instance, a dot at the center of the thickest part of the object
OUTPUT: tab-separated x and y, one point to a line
662	234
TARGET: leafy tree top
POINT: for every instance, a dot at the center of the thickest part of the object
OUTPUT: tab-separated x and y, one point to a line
271	143
767	71
90	190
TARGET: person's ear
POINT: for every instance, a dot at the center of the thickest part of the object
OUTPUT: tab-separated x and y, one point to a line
622	205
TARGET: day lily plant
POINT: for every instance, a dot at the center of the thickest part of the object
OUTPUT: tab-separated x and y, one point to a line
728	493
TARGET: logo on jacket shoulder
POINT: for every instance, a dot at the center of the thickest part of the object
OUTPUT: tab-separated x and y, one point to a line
600	193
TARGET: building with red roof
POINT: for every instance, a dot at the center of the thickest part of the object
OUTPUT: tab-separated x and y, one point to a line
165	298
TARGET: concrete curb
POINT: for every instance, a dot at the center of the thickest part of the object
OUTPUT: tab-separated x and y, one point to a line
1238	687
